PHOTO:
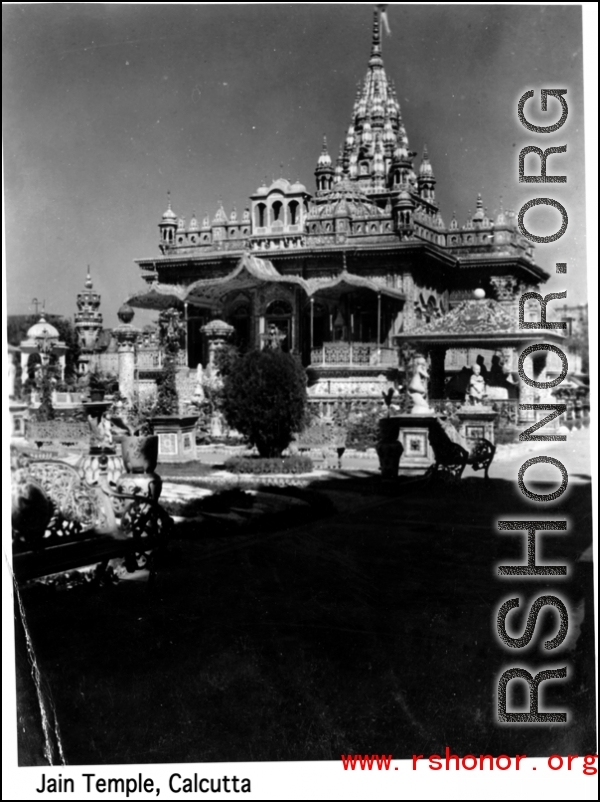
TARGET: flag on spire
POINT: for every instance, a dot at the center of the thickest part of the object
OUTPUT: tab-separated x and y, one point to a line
383	14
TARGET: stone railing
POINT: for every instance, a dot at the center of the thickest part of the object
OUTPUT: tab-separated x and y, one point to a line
146	389
507	409
353	354
326	410
55	432
154	360
59	399
107	363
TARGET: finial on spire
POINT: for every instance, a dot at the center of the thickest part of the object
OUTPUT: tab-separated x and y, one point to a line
88	280
324	158
376	60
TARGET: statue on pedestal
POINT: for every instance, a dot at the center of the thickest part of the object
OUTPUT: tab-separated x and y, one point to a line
477	389
418	387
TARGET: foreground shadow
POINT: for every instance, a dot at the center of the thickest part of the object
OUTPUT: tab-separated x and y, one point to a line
369	628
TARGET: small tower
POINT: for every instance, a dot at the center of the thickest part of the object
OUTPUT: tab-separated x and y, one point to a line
404	207
426	179
167	227
88	322
324	172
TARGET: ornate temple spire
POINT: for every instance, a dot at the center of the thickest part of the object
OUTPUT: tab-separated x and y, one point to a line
376	131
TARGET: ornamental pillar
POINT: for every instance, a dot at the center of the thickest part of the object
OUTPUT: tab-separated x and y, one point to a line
127	336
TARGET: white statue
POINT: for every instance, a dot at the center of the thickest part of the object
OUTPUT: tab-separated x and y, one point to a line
477	389
417	388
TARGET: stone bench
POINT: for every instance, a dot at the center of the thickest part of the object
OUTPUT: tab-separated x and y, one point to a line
60	522
452	458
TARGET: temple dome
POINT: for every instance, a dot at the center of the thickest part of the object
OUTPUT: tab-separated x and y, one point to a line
42	330
345	200
169	215
297	187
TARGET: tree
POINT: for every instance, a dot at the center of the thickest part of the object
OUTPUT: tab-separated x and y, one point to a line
265	399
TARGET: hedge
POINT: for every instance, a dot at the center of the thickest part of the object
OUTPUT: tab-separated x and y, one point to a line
256	465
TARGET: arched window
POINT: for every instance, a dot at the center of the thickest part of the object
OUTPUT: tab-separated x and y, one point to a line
260	215
293	210
277	212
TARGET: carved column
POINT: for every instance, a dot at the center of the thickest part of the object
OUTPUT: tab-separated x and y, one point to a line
127	336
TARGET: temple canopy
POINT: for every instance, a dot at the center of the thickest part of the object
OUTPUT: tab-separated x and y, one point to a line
483	323
252	273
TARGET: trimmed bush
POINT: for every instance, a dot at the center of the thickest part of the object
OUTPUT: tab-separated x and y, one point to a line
264	398
293	464
363	429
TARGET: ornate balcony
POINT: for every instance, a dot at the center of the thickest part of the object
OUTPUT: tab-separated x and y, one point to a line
353	354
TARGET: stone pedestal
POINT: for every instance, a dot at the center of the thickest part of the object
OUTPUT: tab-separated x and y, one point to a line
412	432
389	459
476	422
414	437
176	437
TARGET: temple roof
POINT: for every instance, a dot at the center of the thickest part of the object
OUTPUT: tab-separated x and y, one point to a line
249	273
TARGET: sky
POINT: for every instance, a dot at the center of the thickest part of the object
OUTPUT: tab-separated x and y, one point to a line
107	107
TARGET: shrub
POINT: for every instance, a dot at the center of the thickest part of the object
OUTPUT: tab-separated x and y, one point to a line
363	429
264	398
293	464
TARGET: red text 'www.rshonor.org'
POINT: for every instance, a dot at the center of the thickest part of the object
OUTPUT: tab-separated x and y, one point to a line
451	762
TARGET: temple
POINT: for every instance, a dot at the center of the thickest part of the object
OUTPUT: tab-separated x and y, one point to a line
351	271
